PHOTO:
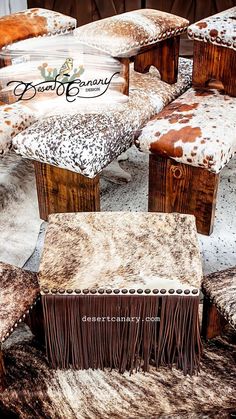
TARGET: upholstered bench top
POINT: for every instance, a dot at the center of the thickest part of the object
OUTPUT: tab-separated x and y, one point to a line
87	142
147	251
18	292
13	119
33	22
218	29
128	33
198	128
220	287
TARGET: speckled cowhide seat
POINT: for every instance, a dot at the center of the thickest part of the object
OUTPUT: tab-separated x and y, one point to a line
71	150
148	36
215	50
15	117
19	292
190	142
121	290
220	301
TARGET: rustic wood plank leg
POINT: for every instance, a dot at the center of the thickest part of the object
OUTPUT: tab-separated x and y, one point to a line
125	74
214	62
60	190
2	372
35	321
212	321
164	56
176	187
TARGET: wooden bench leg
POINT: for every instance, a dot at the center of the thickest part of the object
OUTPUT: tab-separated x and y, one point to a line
35	321
164	56
212	321
176	187
60	190
214	62
2	372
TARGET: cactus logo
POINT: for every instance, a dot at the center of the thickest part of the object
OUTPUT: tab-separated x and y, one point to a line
65	74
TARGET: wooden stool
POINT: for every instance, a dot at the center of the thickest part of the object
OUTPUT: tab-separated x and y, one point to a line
215	50
219	303
191	141
121	290
90	142
19	293
148	36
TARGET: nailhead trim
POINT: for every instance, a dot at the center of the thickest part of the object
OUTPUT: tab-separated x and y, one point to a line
117	291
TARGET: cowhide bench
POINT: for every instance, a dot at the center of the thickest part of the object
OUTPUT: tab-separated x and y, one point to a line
215	50
71	150
121	290
146	36
190	142
33	22
219	306
19	292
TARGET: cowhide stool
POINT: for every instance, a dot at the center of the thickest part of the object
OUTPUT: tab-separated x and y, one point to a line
121	290
19	293
190	142
147	36
215	50
71	150
219	306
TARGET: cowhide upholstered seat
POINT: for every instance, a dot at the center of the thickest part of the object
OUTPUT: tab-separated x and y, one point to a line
190	142
219	289
19	291
31	23
14	118
121	290
71	150
148	35
215	50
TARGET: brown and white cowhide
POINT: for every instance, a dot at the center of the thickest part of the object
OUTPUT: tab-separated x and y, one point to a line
19	219
36	391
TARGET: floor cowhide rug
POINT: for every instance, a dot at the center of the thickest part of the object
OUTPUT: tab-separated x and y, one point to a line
19	219
36	391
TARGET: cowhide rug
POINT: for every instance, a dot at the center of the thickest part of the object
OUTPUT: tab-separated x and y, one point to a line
19	219
36	391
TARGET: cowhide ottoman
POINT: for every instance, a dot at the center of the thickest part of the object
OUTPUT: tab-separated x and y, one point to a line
121	290
19	292
71	150
219	306
215	50
33	22
150	36
190	142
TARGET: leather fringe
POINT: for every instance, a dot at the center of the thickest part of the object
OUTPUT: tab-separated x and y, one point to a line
2	372
72	342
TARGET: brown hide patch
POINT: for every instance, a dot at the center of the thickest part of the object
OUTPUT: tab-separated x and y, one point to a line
204	92
165	145
201	25
173	112
18	27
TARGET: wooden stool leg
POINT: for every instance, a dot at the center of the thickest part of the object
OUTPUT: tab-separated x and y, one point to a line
212	321
164	56
176	187
60	190
2	372
214	62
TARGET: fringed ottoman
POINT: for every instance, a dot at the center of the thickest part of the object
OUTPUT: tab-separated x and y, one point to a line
215	50
219	306
121	290
190	142
19	292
